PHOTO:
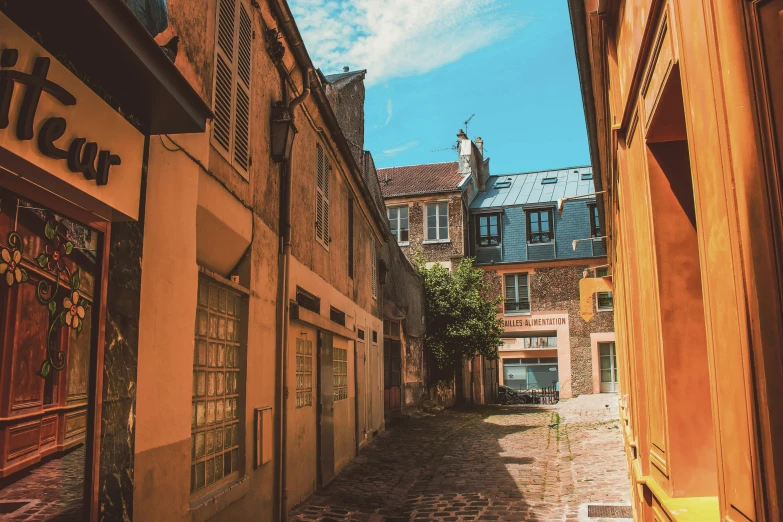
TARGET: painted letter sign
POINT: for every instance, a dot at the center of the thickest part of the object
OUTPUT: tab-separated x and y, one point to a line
66	135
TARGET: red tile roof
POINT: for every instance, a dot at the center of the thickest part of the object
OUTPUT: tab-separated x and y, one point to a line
419	179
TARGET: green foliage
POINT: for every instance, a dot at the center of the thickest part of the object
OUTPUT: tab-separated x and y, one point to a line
461	324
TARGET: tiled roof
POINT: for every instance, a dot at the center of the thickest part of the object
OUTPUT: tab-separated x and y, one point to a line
527	188
419	179
332	78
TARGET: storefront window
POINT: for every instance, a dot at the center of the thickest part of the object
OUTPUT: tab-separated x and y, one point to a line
49	271
530	373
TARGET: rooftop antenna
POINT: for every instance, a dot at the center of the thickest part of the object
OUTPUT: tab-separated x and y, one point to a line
468	121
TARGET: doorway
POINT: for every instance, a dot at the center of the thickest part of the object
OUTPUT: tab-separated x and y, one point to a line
50	277
608	357
325	464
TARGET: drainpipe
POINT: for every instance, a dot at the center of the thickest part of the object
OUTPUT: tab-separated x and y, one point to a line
283	311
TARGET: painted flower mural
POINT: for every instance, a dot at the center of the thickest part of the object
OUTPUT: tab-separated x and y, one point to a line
9	261
74	312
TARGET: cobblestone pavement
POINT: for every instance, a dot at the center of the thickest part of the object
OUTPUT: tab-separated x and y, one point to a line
526	463
51	491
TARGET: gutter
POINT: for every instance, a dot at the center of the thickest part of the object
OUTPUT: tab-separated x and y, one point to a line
282	12
578	14
283	314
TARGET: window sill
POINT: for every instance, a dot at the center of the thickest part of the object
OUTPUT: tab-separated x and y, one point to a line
516	314
404	243
207	507
541	244
435	241
483	247
604	309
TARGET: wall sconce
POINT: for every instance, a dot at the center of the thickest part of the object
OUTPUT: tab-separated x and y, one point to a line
282	132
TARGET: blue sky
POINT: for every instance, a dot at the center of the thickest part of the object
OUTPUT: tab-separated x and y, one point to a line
433	63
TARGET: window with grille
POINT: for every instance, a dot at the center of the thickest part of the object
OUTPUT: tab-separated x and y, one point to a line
304	373
398	222
604	300
488	226
517	294
322	198
595	221
215	426
231	103
340	373
374	263
539	226
437	226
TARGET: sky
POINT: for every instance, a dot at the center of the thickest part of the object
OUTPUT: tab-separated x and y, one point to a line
432	64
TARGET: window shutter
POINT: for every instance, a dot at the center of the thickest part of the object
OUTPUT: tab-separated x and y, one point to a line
242	109
322	197
223	73
231	129
374	263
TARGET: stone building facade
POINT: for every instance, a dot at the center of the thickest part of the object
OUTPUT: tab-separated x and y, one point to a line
535	256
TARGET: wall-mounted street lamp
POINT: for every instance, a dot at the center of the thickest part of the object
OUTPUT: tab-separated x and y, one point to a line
574	243
587	271
282	132
560	201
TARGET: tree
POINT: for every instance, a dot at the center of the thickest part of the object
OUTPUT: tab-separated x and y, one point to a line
461	323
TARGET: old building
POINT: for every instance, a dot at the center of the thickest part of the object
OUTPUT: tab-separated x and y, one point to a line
683	102
196	305
404	360
535	256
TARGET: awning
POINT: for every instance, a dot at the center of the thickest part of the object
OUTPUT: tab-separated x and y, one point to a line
107	44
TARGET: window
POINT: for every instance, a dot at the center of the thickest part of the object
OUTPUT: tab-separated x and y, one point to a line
337	316
340	373
587	176
322	198
215	426
604	299
374	337
308	301
374	263
517	294
350	238
539	226
231	104
360	334
391	328
595	222
488	226
540	341
398	221
437	226
550	179
304	373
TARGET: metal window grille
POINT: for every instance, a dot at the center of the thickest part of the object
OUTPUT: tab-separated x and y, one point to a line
215	426
340	373
304	373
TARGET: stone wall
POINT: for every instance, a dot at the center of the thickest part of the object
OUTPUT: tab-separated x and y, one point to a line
557	288
452	251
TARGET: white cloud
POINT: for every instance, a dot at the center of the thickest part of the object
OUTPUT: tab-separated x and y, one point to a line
402	148
397	38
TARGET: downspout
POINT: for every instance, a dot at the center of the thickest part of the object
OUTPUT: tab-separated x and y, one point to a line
283	311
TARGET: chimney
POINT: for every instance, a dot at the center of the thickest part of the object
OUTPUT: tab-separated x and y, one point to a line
346	69
480	146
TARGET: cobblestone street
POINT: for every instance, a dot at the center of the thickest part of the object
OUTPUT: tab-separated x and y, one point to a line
526	463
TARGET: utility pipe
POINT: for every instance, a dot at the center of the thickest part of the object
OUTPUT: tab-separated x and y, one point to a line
283	310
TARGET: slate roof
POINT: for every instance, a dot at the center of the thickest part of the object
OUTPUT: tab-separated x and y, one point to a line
526	188
332	78
420	179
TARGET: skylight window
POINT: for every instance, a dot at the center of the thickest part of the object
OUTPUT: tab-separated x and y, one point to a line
586	176
549	180
503	182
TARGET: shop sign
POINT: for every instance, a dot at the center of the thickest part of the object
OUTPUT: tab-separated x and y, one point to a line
535	321
63	130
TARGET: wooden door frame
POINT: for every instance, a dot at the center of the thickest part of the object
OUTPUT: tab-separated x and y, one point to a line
40	195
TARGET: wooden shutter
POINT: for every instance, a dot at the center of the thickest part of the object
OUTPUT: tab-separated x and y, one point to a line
374	263
231	129
322	197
